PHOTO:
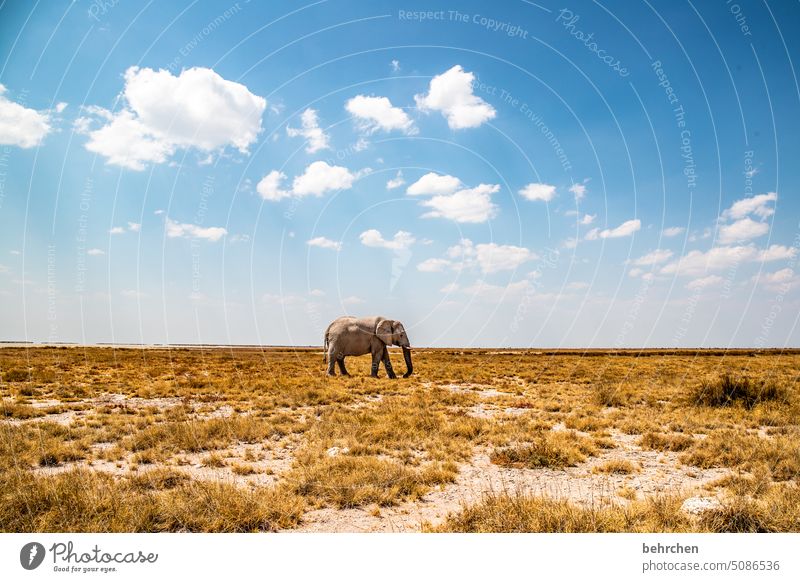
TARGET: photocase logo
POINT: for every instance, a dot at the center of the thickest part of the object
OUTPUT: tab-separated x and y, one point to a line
31	555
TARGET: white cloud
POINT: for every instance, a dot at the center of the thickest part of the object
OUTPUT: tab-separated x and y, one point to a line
95	252
493	257
134	226
434	265
779	280
163	113
536	191
451	94
703	282
742	230
20	126
395	65
489	257
317	293
721	258
378	113
635	272
116	230
396	182
185	230
373	238
578	190
758	205
570	242
671	231
472	205
320	177
653	258
269	187
311	131
325	243
588	219
132	294
433	183
352	300
627	228
317	179
577	286
777	253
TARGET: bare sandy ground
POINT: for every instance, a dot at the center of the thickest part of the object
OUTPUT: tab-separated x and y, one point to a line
658	472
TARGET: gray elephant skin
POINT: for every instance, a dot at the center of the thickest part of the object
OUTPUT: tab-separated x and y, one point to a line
357	336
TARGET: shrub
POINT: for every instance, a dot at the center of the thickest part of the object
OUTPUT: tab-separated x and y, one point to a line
729	389
547	449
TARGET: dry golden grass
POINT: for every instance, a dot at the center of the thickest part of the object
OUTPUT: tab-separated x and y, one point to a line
519	513
777	511
616	467
87	501
732	389
665	442
147	418
546	449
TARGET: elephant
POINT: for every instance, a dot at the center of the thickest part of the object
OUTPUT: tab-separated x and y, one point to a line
352	336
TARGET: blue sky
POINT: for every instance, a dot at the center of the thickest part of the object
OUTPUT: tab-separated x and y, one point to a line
606	174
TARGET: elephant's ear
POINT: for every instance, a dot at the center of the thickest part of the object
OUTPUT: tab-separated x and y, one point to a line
384	331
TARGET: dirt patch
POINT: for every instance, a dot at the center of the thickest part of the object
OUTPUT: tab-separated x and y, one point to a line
657	473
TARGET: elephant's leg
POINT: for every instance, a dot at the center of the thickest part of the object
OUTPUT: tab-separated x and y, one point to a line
388	364
342	369
331	361
377	353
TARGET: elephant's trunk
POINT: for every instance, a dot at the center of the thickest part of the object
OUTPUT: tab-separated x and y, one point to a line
409	366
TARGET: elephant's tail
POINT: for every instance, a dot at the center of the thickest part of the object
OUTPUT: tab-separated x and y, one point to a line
325	348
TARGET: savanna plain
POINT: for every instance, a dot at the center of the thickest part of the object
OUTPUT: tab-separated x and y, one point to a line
102	439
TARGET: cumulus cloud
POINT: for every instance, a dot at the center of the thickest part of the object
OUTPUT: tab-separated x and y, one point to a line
777	253
325	243
761	205
373	238
742	230
627	228
721	258
588	219
703	282
163	113
778	280
578	190
352	300
433	183
653	258
317	179
20	126
311	131
671	231
473	205
434	265
396	182
378	113
451	94
95	252
185	230
536	191
488	257
492	257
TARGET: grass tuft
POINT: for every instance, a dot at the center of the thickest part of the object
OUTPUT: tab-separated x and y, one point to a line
730	389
